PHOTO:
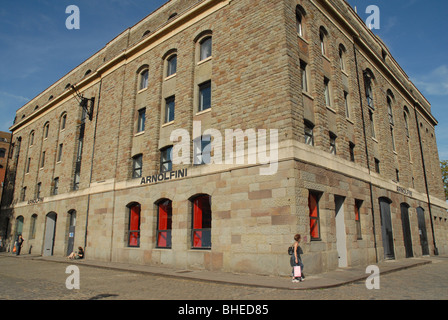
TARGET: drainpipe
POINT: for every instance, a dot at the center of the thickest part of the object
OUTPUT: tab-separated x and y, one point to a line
366	149
436	251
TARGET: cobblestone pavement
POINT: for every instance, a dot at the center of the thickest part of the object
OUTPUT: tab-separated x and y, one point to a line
23	278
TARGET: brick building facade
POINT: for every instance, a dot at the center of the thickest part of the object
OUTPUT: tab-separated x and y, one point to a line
357	173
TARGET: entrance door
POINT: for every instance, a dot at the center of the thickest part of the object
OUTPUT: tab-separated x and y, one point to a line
71	231
386	228
50	229
406	230
422	231
341	241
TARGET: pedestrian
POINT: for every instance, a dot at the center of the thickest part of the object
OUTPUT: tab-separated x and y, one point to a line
20	241
296	259
78	255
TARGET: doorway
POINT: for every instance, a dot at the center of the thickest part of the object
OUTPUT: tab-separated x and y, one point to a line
386	228
406	230
341	236
50	230
422	231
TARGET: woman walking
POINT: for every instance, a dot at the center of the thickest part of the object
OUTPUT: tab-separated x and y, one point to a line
296	260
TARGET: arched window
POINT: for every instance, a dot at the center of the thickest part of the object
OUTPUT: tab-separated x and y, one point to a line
205	48
164	223
171	67
342	57
323	36
31	138
143	79
201	231
134	225
368	81
406	120
300	21
63	121
390	99
46	129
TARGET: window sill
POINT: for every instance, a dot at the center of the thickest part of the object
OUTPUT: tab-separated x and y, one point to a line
167	124
139	133
141	90
170	77
205	60
203	111
302	38
374	139
331	109
349	120
305	93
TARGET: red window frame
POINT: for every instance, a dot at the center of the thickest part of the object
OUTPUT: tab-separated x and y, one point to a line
201	222
134	225
164	223
313	205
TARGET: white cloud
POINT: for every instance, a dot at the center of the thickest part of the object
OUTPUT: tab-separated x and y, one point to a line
435	82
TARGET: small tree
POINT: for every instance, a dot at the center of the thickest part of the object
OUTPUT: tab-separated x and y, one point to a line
444	166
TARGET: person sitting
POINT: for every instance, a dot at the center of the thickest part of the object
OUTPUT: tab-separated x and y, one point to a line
77	255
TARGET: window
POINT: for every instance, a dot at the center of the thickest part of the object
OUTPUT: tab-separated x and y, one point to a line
31	138
141	120
205	48
144	79
300	19
313	205
28	165
63	121
164	223
46	129
304	72
42	160
137	166
352	151
358	204
134	225
377	165
23	194
406	121
205	96
2	152
392	137
332	143
389	110
166	163
202	150
372	124
38	190
33	226
323	40
347	105
61	146
201	222
171	65
397	175
309	133
56	186
368	78
170	105
327	92
342	57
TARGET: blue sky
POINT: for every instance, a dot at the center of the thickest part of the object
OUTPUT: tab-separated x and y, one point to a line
36	49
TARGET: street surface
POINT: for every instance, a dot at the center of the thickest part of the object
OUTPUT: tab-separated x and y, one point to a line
22	278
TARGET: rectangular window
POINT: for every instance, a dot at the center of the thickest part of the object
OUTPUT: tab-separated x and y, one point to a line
377	165
347	105
313	205
172	66
309	133
205	96
327	92
303	69
56	186
166	160
170	104
397	174
202	150
23	194
372	124
38	190
42	162
392	138
28	165
332	143
352	151
358	204
137	166
141	120
60	152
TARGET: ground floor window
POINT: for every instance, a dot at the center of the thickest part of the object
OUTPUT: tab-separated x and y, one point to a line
164	223
201	222
134	225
